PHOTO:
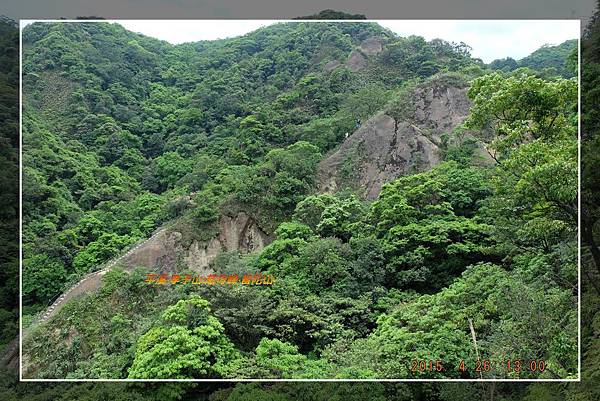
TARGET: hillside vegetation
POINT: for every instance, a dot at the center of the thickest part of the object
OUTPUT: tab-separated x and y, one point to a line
549	59
465	252
9	212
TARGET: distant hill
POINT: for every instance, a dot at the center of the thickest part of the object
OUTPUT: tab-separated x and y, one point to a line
543	58
332	14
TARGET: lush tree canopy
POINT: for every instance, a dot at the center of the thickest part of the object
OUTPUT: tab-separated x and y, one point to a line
466	261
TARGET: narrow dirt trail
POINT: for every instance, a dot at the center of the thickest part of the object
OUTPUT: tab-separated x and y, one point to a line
90	282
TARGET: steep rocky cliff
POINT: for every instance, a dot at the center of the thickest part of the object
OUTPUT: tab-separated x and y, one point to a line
171	251
388	146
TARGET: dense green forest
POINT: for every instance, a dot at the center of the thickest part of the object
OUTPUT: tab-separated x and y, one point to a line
558	59
9	217
117	127
361	290
458	264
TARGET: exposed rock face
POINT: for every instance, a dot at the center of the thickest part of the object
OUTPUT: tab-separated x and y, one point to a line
199	255
441	108
167	253
372	46
356	61
160	252
331	65
241	233
383	148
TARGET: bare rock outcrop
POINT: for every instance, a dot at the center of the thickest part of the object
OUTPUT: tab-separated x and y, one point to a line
372	46
168	252
356	61
331	65
241	233
358	58
160	252
385	148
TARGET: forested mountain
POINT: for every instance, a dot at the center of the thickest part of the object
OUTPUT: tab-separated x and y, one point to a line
332	14
463	232
119	123
9	212
548	59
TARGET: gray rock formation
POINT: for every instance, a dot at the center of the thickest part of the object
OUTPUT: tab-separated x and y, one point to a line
356	61
331	65
372	46
358	58
241	233
384	148
167	252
